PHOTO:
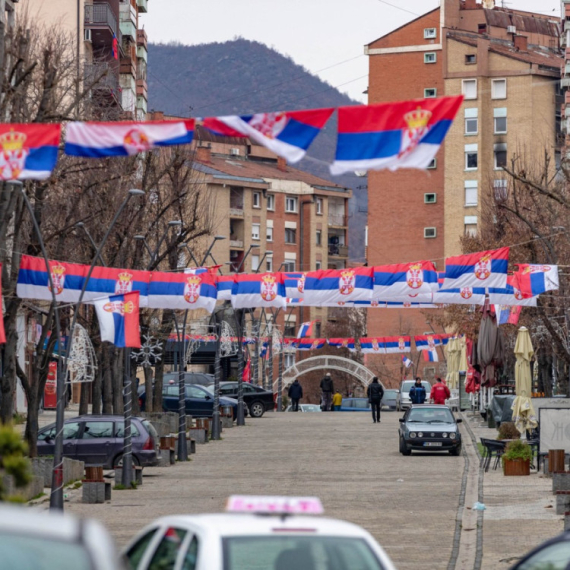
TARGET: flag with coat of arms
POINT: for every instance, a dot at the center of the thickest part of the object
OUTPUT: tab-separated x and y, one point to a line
119	319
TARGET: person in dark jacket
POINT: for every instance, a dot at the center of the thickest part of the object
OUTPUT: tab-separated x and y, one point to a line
375	393
327	389
295	393
418	392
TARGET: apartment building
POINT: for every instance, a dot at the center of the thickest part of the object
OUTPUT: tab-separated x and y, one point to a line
506	62
111	48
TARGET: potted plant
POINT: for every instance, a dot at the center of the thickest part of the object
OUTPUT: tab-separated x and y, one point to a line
516	459
508	430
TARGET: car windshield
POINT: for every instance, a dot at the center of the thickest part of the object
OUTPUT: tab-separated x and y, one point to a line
310	408
390	393
298	552
431	416
208	389
42	553
553	557
407	385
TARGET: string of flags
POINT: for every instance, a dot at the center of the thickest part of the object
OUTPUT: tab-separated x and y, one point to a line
405	134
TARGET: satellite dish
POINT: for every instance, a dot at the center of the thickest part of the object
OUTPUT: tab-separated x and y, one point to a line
361	173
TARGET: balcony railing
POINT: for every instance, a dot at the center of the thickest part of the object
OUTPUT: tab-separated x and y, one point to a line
337	220
236	212
100	14
100	76
236	243
338	250
141	38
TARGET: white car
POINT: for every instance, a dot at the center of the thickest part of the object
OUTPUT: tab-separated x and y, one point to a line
403	401
261	533
306	408
44	540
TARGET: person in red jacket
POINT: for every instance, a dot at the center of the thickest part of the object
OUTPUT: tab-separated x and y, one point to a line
439	392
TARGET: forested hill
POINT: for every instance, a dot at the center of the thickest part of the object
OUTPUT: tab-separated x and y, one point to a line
242	77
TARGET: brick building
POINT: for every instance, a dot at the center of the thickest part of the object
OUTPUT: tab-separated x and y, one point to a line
506	63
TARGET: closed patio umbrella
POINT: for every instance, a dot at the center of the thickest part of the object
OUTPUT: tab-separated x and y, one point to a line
490	347
524	415
453	356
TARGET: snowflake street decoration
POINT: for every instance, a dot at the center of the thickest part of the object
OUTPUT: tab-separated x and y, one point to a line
149	353
228	344
82	363
193	346
277	341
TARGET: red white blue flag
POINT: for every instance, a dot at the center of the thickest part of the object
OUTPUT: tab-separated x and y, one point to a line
431	355
334	287
258	290
342	343
429	341
482	269
294	284
225	284
463	296
310	343
288	134
305	330
405	281
406	361
119	319
406	134
372	345
397	344
28	151
99	140
182	291
532	280
510	296
508	314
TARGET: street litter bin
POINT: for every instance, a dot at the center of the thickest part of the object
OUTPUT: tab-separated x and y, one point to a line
490	419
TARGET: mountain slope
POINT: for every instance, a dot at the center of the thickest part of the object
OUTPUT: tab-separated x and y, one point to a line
242	77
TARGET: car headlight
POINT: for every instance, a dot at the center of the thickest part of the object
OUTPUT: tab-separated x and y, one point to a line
452	435
420	434
444	434
412	434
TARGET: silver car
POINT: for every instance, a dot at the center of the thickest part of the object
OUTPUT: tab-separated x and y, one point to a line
390	398
403	401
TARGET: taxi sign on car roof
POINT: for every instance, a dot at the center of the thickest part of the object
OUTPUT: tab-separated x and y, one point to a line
274	505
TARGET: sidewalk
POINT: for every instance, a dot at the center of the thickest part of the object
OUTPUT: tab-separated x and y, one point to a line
520	511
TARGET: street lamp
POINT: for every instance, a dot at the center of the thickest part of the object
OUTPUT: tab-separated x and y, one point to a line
185	246
91	240
138	237
216	238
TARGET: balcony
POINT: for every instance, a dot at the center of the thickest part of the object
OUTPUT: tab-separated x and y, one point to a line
142	39
100	19
128	66
128	21
338	251
236	243
236	212
143	6
142	88
338	220
102	77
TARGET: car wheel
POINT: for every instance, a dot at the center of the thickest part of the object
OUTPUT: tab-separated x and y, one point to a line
456	451
404	448
257	409
118	461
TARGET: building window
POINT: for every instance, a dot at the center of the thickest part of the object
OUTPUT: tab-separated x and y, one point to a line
290	235
430	93
289	359
271	202
500	188
288	266
269	263
482	28
255	231
470	224
471	156
430	57
430	198
471	121
318	265
319	203
500	120
254	262
318	237
470	59
430	233
433	164
471	193
469	88
291	205
499	89
500	153
257	199
430	33
269	234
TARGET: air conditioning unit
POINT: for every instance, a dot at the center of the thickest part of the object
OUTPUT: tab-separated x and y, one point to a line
234	151
511	29
87	35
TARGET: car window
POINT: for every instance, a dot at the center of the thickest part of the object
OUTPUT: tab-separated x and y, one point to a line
71	430
171	390
361	404
165	556
226	390
193	392
248	389
431	415
46	434
137	551
427	386
96	430
407	385
553	557
191	556
120	429
347	402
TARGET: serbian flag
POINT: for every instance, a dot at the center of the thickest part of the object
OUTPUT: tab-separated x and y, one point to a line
294	284
246	376
510	296
341	343
463	296
431	355
119	319
483	269
428	341
406	134
310	343
106	281
28	151
126	138
372	345
306	329
2	331
115	47
406	361
182	291
532	280
288	134
508	315
405	281
258	290
397	344
294	302
331	287
225	284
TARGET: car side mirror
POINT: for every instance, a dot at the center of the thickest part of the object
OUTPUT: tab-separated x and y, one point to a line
402	420
208	397
458	420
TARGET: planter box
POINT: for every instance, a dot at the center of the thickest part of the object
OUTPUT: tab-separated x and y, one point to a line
560	482
73	470
516	467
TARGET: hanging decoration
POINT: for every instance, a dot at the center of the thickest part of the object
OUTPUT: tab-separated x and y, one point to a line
149	353
82	362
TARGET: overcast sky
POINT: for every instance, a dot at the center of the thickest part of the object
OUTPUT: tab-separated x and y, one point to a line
318	34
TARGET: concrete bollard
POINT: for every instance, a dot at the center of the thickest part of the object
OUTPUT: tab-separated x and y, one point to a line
93	492
227	421
560	482
200	435
562	502
566	521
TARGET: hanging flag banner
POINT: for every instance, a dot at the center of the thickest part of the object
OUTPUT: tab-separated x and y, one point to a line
406	362
482	269
532	280
372	345
333	287
28	151
224	284
182	291
119	319
127	138
397	344
404	281
463	296
294	284
310	343
431	355
305	330
508	315
405	134
509	296
258	290
288	134
429	341
341	343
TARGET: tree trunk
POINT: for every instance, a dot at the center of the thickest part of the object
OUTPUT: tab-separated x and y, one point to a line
117	381
134	390
97	389
107	384
149	403
32	422
158	378
84	399
8	386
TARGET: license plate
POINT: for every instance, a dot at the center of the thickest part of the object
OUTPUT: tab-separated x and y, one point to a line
432	444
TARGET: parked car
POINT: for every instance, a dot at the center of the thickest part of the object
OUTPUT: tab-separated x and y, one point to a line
403	401
30	538
199	400
257	399
98	440
390	398
554	553
429	427
200	378
355	405
307	408
278	538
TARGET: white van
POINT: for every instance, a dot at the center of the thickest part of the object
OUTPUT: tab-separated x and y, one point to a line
403	399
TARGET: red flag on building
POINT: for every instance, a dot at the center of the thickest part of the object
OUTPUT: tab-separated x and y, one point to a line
115	47
2	332
246	376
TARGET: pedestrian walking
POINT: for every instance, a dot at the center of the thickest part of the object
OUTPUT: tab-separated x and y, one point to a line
337	401
295	393
375	393
418	392
327	390
439	392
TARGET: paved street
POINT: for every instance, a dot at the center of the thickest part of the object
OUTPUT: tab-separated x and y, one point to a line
408	503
